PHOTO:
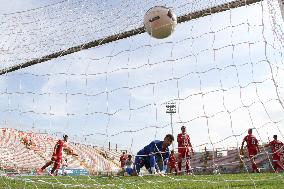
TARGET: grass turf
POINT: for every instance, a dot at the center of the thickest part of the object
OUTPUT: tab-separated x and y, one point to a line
262	180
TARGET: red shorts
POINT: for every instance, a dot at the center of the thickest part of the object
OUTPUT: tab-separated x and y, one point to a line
276	157
184	154
252	152
57	160
172	166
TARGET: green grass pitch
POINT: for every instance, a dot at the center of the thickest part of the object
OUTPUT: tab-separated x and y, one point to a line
262	180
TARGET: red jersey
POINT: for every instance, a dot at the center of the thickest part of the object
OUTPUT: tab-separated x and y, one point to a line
183	141
276	146
57	151
122	160
251	141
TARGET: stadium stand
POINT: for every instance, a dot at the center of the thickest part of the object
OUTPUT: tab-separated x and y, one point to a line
229	163
22	152
26	151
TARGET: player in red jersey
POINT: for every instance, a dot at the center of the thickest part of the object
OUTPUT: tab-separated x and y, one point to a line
184	148
122	160
276	147
172	162
56	156
252	147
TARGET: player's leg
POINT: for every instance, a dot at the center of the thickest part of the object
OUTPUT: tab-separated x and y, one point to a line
129	171
188	168
147	166
173	167
254	166
46	165
280	166
187	162
274	163
63	169
176	171
56	166
179	165
277	165
281	161
252	153
170	169
65	172
181	162
138	164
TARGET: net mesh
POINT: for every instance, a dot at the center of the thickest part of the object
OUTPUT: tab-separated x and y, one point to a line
224	72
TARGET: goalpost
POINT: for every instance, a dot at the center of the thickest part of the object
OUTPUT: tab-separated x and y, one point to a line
88	69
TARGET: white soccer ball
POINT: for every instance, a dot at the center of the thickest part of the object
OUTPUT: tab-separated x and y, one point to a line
160	22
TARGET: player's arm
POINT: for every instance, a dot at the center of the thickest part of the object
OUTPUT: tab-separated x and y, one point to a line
165	167
166	161
152	156
267	145
179	139
189	143
153	163
242	147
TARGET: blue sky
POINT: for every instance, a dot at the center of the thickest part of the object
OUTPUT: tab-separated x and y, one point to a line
220	76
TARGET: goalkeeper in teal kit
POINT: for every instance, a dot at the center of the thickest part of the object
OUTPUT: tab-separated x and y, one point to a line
150	154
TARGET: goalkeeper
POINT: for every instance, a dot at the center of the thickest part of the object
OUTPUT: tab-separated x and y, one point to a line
148	156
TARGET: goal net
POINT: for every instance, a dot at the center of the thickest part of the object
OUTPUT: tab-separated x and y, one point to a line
94	74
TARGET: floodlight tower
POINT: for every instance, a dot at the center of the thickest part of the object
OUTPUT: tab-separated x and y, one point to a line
171	109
